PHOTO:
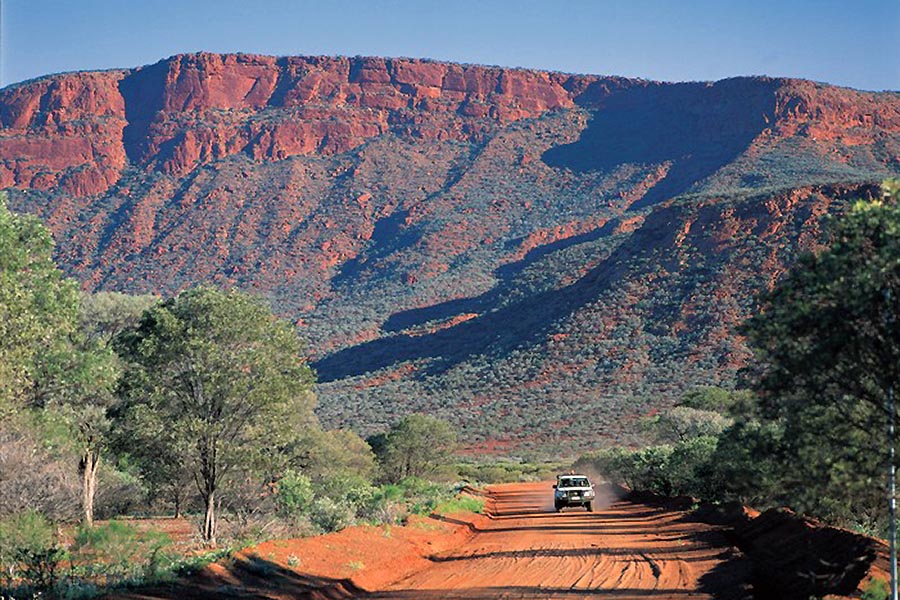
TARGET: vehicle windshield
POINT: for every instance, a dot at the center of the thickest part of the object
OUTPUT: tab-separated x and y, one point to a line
574	482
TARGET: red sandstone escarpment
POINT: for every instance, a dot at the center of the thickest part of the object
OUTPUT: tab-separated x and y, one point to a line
75	131
63	132
825	113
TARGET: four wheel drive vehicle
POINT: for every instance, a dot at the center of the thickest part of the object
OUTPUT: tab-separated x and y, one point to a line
572	490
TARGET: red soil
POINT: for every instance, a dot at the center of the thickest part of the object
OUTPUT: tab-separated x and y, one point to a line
522	549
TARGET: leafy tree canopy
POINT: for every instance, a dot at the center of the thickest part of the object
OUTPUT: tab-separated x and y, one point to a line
416	446
827	344
38	306
226	380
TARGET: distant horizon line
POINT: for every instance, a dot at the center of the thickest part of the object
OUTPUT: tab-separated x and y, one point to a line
441	61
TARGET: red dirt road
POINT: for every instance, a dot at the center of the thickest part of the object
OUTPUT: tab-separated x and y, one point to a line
521	549
623	550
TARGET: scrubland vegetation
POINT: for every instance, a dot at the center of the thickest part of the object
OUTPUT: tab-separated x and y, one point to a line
196	411
810	429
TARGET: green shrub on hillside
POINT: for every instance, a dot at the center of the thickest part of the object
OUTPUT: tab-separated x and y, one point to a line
330	515
416	446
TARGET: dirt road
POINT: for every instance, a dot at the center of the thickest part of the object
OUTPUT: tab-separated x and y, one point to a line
623	550
521	550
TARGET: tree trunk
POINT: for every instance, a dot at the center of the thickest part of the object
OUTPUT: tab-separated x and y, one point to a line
176	497
90	465
209	524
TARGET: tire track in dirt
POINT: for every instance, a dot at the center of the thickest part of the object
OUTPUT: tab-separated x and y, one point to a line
521	550
624	550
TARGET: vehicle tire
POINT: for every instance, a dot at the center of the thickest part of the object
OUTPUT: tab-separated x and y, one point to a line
557	506
589	507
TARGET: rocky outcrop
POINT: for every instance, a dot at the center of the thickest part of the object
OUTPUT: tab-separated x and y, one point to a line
76	132
63	132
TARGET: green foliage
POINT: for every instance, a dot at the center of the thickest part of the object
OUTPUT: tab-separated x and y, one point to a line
104	315
345	499
117	552
684	423
422	496
78	384
29	553
687	465
462	503
37	305
294	493
73	372
669	470
827	346
387	505
745	464
650	470
716	399
225	380
876	589
323	454
29	531
100	558
416	446
329	515
346	487
188	565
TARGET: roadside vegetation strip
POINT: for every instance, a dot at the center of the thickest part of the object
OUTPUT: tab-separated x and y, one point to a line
354	561
462	503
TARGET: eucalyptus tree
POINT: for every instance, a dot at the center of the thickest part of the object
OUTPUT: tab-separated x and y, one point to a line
225	381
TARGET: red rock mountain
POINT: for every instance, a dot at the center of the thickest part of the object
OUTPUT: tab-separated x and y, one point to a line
534	255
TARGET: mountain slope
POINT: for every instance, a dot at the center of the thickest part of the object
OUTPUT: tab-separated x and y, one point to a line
534	255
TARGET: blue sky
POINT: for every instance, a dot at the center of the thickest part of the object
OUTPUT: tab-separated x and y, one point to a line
847	42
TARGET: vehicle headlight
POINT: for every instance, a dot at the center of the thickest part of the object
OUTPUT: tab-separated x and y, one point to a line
589	494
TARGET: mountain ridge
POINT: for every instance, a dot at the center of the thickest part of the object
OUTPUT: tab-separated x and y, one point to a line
427	60
280	81
451	236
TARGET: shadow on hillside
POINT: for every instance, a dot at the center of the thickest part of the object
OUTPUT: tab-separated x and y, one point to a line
497	332
142	91
388	236
695	127
506	273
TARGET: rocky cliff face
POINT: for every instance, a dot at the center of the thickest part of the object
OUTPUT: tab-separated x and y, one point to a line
77	131
516	243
